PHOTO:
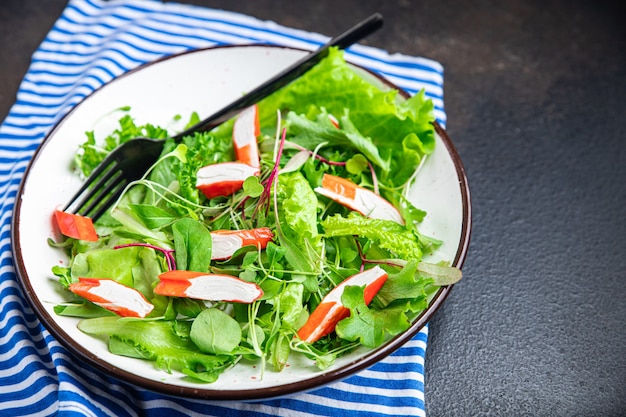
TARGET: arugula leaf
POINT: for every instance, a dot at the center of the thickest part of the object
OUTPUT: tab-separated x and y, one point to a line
310	134
366	325
407	284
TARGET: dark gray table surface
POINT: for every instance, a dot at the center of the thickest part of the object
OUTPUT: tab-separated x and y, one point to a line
535	93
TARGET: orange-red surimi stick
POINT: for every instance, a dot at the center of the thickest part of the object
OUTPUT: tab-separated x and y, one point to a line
223	179
245	133
357	198
331	311
118	298
333	120
75	226
207	286
227	242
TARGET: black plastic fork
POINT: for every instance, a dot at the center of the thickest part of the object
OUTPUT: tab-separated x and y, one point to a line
131	160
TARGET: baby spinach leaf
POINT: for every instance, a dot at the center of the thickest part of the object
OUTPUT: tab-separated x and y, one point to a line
192	243
214	331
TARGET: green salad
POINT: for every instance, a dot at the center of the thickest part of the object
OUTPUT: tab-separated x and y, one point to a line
312	249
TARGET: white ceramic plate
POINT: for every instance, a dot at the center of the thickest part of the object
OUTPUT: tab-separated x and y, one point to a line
202	81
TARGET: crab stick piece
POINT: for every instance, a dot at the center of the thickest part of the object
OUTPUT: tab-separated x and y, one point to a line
76	226
223	179
331	311
245	132
357	198
227	242
333	120
207	286
118	298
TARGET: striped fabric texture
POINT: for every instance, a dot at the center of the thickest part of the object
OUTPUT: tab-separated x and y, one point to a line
93	42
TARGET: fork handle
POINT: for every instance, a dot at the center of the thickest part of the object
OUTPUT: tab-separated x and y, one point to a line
349	37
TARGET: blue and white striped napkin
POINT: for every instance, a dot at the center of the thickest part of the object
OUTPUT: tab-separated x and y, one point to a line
93	42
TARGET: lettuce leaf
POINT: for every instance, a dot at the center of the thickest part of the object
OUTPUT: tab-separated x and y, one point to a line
92	154
298	232
115	264
386	234
401	130
157	341
203	148
369	326
137	267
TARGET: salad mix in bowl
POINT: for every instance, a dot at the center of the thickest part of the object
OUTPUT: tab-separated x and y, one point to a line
285	231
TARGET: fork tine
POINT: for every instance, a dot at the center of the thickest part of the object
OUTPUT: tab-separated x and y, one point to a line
102	193
95	185
94	178
102	208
